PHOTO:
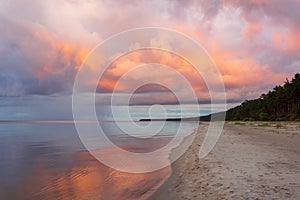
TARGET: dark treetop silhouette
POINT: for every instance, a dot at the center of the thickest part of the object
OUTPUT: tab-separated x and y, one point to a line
280	104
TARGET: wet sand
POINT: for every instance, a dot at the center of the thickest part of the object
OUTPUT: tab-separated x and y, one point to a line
253	160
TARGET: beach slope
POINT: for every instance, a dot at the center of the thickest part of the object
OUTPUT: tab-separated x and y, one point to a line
251	160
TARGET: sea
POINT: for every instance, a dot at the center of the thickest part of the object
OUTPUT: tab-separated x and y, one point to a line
47	159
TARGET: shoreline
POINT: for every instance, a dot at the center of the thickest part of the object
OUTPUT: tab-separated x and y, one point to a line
163	192
163	182
251	160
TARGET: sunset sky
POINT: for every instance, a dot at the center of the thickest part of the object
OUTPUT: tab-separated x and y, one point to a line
255	45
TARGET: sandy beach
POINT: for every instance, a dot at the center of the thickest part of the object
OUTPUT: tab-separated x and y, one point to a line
252	160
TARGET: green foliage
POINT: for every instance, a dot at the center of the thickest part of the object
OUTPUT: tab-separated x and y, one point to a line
280	104
248	119
264	124
239	123
278	125
281	119
263	116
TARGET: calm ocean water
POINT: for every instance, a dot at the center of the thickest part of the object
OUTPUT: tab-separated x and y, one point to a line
43	160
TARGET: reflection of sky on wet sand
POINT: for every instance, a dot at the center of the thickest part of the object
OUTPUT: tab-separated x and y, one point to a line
78	176
47	161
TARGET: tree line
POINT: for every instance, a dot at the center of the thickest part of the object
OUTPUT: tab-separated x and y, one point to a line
280	104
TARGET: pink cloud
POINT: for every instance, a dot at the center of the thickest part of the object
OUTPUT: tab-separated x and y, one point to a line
254	43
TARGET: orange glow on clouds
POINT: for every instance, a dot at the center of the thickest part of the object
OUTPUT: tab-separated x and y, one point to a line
134	59
253	43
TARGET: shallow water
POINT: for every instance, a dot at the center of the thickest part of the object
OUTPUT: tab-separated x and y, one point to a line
47	160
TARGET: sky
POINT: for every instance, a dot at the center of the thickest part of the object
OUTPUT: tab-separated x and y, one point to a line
255	45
